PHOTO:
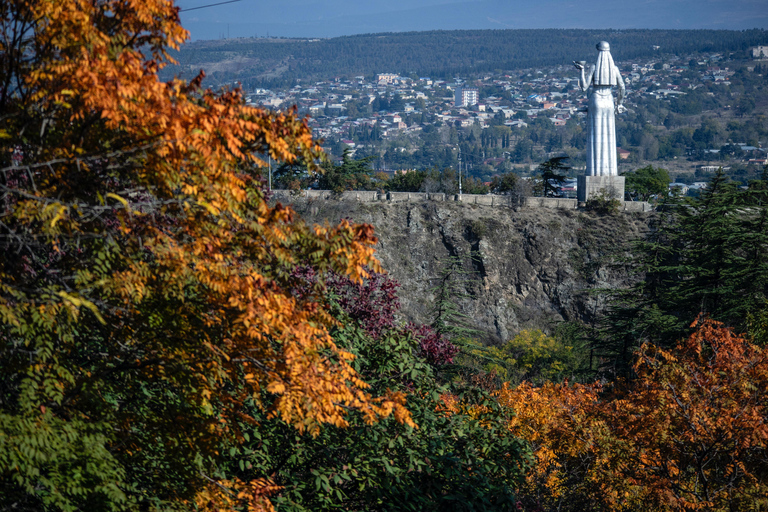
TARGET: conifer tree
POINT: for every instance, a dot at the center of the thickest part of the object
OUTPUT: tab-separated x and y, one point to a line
705	255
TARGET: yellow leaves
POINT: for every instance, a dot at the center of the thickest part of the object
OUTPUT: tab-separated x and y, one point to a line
213	210
119	199
201	275
79	301
236	496
691	415
53	213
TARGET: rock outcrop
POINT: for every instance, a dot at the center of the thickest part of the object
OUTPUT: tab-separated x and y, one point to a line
526	268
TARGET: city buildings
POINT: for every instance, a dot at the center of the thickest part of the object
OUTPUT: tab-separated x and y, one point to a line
466	96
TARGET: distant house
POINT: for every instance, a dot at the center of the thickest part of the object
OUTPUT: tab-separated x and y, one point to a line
387	78
336	108
317	108
711	168
623	153
760	52
682	188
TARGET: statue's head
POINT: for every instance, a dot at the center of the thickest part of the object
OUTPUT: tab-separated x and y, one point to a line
603	46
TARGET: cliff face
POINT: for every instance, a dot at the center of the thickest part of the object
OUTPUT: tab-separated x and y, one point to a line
525	268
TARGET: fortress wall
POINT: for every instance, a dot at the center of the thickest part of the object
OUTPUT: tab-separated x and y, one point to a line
493	200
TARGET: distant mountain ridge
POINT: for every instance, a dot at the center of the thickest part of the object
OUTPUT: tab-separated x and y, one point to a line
333	18
439	53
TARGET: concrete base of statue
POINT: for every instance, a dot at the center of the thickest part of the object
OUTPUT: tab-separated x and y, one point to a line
592	186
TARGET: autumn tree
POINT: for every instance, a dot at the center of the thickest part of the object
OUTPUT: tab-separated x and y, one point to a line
688	433
461	456
695	424
146	291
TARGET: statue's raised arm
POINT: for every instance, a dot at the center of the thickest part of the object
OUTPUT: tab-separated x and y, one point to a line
583	80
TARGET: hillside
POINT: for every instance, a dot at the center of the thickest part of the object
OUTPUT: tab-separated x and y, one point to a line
525	268
436	53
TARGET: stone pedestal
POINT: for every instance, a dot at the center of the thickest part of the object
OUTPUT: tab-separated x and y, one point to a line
591	186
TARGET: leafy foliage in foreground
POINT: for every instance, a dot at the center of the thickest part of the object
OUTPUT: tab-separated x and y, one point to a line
689	433
462	456
146	298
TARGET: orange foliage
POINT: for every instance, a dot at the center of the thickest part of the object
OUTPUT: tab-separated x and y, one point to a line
690	432
199	270
225	495
698	421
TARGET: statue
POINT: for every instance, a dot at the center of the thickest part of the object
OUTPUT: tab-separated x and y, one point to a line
601	125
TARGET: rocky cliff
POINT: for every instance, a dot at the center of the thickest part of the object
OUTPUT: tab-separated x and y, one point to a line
525	268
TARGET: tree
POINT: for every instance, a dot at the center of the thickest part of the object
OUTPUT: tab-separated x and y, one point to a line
292	175
447	318
551	180
406	181
349	175
707	254
146	292
745	105
706	446
646	182
462	456
505	183
533	356
687	433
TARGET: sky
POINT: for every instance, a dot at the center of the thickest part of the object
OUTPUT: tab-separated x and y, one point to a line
332	18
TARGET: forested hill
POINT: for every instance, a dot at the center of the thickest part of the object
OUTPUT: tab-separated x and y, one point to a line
440	53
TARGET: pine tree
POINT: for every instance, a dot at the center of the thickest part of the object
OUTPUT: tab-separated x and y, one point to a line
448	319
551	180
705	255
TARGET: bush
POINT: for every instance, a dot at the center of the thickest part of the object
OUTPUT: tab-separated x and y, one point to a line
603	203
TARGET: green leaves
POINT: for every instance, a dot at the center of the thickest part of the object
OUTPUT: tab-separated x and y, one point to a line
459	459
704	255
63	464
646	182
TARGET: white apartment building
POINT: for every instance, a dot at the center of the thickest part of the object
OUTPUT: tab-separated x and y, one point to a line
466	96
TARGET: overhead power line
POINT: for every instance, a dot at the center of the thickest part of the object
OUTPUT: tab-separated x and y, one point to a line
209	5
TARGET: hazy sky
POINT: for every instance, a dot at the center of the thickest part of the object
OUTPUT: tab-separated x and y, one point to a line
329	18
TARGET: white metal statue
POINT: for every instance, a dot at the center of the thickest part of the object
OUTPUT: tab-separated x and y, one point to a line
601	125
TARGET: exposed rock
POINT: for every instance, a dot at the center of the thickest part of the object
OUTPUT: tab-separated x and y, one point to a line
525	268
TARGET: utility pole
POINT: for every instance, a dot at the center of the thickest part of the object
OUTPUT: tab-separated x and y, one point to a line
459	170
269	158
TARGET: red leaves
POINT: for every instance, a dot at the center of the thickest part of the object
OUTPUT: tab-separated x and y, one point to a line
690	432
434	347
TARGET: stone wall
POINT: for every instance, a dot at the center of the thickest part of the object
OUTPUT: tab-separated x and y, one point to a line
493	200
